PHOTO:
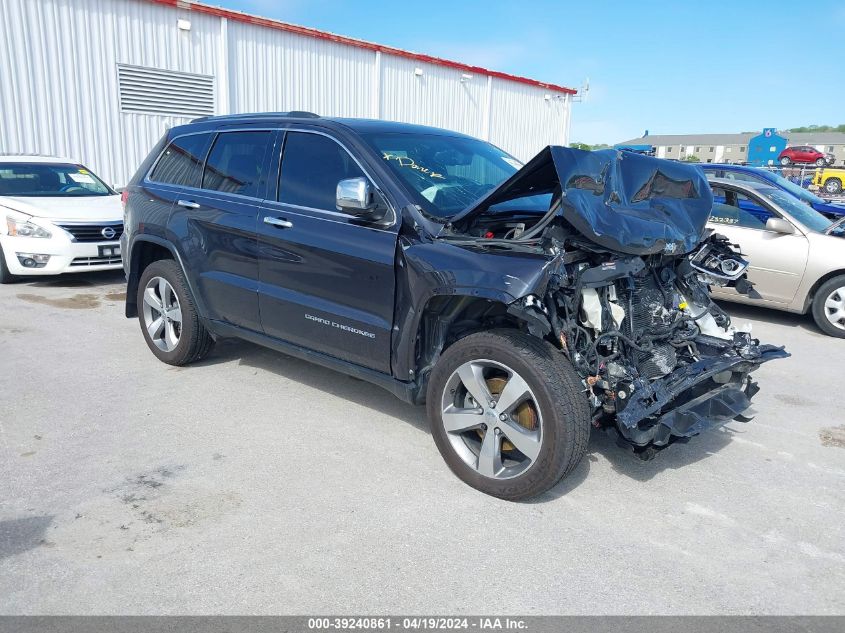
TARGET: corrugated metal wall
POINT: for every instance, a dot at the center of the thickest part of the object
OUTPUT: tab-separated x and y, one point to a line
58	76
271	70
59	85
438	97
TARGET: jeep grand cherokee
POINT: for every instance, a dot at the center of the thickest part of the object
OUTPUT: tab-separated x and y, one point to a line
523	304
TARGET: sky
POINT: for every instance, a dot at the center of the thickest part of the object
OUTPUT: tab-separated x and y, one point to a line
671	67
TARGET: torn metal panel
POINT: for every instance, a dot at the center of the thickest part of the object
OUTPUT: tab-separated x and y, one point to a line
626	202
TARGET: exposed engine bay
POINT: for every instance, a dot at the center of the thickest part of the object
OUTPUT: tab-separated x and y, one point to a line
625	296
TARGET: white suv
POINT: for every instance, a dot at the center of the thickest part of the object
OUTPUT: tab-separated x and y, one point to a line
57	217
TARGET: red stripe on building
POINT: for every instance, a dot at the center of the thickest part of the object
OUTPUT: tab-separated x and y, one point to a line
349	41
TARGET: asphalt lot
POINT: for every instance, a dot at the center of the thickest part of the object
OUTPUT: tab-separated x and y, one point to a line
256	483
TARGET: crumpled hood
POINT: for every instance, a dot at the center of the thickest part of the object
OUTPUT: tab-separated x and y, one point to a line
620	200
105	208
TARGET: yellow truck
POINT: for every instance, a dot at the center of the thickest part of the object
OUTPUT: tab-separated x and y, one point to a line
830	179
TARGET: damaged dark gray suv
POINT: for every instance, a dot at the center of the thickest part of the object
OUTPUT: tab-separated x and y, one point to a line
524	305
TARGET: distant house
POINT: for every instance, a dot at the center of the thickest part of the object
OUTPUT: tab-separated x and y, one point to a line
734	148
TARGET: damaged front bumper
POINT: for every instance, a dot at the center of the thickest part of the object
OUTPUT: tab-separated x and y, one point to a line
700	396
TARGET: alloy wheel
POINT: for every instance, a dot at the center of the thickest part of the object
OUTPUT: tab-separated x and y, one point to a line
492	419
162	314
834	308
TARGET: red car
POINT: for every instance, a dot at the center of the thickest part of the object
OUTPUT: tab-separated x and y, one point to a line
804	154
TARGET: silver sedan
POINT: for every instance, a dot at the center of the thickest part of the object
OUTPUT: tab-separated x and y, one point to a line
796	255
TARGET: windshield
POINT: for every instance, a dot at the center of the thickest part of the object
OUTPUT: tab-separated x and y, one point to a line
53	180
445	174
807	216
797	190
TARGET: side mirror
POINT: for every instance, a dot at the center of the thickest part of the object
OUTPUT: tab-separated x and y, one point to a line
355	196
779	225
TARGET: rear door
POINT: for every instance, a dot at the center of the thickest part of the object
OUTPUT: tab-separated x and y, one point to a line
179	167
216	224
326	279
776	261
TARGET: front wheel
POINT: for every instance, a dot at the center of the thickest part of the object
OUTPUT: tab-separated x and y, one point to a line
508	413
829	307
821	162
169	320
785	160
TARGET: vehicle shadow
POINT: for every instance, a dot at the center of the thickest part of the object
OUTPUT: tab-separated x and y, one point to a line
601	445
303	372
739	311
19	535
75	280
624	462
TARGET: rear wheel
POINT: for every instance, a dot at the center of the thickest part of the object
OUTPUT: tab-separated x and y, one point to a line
785	160
508	413
5	276
833	185
168	315
829	307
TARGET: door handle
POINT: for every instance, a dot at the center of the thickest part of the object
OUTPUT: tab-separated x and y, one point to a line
281	223
188	204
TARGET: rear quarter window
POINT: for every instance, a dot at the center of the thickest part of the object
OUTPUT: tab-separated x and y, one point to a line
181	161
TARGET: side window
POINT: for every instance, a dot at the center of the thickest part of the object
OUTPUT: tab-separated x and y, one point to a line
312	165
736	209
236	163
742	176
181	161
718	195
752	215
724	214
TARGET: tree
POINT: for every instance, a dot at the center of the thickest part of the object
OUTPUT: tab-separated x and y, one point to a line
819	128
587	147
692	158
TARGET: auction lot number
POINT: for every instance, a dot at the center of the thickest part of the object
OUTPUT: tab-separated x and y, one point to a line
371	624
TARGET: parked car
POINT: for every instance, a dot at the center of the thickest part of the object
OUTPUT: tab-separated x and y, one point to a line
805	154
59	217
524	306
762	176
797	255
830	179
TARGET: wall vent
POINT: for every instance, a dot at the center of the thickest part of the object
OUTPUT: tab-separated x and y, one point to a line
159	91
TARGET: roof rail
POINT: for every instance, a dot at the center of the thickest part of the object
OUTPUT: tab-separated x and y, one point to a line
297	114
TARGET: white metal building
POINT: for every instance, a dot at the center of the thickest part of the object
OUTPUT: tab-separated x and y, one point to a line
100	80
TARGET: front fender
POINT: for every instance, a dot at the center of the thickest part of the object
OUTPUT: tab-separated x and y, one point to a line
426	270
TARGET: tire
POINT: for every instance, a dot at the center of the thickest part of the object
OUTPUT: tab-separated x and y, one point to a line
190	340
785	160
821	162
833	185
829	307
5	276
552	421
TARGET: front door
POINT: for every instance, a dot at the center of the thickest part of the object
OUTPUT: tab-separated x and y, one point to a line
326	280
777	261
